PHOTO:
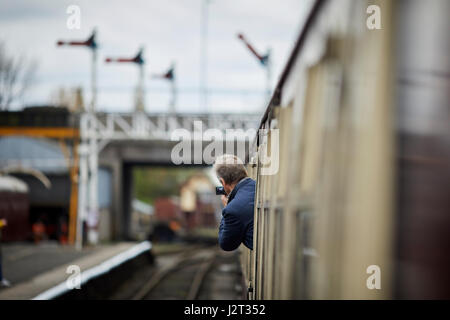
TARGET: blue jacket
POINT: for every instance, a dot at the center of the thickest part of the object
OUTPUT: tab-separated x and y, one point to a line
237	217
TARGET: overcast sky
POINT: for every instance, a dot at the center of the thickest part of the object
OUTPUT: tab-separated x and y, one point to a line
170	31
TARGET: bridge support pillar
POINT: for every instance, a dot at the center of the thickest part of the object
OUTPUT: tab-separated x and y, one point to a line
115	164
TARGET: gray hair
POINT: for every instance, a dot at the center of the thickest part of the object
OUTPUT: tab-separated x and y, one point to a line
230	168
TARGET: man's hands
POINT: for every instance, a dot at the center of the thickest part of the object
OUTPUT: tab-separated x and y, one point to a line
224	199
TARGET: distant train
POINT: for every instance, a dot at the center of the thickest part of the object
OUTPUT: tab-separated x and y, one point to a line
353	160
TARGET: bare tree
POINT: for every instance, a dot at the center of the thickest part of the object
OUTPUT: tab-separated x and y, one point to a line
16	77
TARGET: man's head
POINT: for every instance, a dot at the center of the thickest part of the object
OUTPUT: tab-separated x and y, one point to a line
230	170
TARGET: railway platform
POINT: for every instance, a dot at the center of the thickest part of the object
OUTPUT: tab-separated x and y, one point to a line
41	271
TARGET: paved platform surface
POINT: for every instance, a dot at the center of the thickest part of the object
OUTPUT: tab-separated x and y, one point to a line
33	269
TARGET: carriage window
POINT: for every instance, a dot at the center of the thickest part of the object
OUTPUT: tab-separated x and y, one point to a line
278	248
305	253
262	250
266	245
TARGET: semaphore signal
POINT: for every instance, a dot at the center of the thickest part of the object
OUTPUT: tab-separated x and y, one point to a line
90	43
169	75
264	60
88	178
140	62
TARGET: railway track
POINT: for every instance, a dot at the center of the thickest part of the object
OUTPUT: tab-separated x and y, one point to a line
179	276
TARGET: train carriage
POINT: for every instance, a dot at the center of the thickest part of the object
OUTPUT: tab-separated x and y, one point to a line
352	159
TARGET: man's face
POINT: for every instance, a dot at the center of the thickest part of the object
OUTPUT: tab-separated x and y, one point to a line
228	188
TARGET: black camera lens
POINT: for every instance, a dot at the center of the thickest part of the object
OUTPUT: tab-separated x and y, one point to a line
220	190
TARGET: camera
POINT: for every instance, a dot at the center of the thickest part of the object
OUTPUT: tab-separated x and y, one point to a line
220	190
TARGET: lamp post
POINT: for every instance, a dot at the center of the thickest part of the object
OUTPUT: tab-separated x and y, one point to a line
204	55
